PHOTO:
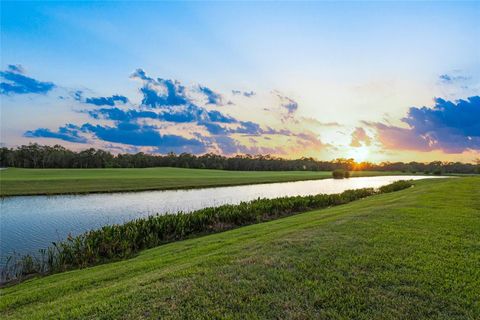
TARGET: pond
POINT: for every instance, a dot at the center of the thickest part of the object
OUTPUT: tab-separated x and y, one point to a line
29	223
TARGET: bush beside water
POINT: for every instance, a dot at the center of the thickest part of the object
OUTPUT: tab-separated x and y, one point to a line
395	186
340	174
116	242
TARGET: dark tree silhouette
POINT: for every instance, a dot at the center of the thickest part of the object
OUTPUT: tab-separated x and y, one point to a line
38	156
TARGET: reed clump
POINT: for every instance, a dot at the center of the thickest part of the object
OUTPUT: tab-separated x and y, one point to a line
395	186
115	242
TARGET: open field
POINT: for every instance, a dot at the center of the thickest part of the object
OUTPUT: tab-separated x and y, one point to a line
410	254
15	181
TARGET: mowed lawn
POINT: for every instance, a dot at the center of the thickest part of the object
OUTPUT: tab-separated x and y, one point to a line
15	181
411	254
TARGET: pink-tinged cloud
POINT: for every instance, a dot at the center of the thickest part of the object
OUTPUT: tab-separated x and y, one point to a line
449	126
170	119
392	137
360	138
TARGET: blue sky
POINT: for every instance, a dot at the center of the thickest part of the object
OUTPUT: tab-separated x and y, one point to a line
321	72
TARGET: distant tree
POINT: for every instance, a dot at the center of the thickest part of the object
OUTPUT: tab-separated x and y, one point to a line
38	156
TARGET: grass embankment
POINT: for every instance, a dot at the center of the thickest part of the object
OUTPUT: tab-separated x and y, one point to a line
114	242
410	254
16	181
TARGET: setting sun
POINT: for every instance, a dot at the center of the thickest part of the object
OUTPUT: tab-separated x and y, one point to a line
359	154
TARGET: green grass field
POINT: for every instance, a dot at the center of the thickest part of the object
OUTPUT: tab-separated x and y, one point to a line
14	181
411	254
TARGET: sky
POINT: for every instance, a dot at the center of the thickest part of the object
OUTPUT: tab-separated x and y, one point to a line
372	81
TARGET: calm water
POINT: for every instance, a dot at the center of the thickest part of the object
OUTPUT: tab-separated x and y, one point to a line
30	223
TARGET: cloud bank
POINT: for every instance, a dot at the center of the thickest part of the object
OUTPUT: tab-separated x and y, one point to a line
15	81
449	126
173	117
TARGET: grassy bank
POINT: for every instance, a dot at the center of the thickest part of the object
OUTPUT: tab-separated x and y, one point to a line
114	242
410	254
15	181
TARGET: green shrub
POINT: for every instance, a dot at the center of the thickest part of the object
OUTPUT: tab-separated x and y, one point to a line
395	186
338	174
437	172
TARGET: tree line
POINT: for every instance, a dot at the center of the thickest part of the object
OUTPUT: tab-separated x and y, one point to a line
38	156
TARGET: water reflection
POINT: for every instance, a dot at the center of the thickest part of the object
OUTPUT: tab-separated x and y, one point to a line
30	223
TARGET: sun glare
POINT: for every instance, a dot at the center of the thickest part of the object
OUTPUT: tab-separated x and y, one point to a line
359	154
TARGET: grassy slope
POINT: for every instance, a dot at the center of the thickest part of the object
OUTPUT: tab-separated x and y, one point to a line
410	254
14	181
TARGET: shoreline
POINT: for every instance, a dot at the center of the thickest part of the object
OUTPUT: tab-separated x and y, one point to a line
192	185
